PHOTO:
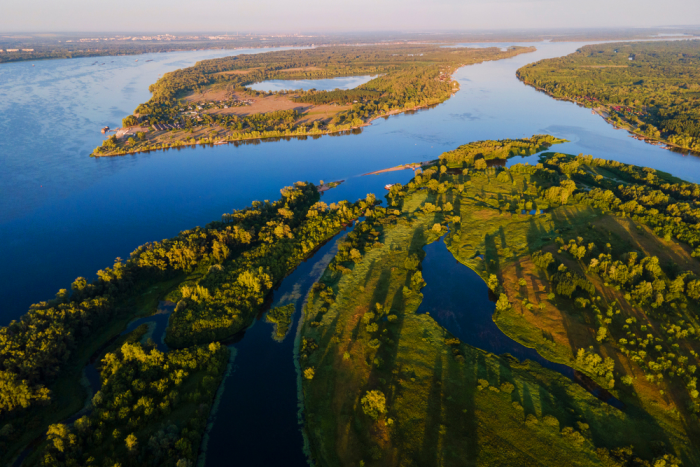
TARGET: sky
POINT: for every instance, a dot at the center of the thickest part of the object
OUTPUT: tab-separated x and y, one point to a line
298	16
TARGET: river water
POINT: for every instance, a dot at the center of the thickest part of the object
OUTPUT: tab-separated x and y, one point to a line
64	214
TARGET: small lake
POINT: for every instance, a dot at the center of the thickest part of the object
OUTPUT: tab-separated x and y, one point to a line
459	300
345	82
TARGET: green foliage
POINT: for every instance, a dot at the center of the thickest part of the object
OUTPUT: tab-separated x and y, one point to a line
470	154
374	404
282	317
130	121
651	85
161	399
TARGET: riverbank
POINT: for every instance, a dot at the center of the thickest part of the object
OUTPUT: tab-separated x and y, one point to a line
408	78
409	382
250	137
413	166
604	113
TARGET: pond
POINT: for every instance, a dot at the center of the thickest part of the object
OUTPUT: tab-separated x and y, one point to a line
459	300
346	82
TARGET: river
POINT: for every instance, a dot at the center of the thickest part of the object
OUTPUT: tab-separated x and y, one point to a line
64	214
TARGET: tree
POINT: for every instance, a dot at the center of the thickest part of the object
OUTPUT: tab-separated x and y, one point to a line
542	260
502	304
374	404
132	444
130	121
493	283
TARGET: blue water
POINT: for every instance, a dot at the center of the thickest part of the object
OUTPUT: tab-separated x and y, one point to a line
347	82
160	319
64	214
459	300
260	394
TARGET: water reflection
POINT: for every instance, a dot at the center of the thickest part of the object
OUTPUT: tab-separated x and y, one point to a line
64	215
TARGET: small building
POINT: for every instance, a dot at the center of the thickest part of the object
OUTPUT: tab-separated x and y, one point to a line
13	50
27	50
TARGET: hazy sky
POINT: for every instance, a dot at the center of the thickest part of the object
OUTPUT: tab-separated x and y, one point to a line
338	15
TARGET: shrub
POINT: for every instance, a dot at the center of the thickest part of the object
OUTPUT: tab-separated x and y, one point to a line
374	404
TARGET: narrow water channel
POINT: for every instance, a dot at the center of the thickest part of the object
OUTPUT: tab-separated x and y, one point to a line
258	422
458	299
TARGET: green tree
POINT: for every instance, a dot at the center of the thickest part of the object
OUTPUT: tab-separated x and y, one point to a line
374	404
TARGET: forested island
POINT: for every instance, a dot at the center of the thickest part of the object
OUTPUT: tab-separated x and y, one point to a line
649	88
211	103
590	262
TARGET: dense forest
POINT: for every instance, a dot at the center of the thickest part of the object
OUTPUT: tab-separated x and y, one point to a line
219	275
591	262
152	410
650	87
410	76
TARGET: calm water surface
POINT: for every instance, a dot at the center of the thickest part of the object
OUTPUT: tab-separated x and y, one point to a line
458	299
64	215
346	82
260	394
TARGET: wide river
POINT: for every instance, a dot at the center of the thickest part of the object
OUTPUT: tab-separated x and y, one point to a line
64	214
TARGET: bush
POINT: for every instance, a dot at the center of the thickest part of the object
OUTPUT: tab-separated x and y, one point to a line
130	121
374	404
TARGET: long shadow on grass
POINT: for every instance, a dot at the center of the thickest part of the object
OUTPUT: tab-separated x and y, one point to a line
429	454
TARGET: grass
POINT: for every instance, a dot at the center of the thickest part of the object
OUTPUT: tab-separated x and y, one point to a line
448	403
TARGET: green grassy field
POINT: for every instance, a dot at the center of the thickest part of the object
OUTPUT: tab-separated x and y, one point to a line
445	402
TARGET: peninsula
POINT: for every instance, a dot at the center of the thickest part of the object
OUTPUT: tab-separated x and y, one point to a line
648	88
211	103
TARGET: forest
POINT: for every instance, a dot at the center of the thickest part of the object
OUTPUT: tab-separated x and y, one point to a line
650	88
219	276
410	76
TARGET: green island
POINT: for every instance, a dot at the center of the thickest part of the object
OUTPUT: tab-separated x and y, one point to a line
281	316
591	262
603	278
219	276
649	88
211	103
